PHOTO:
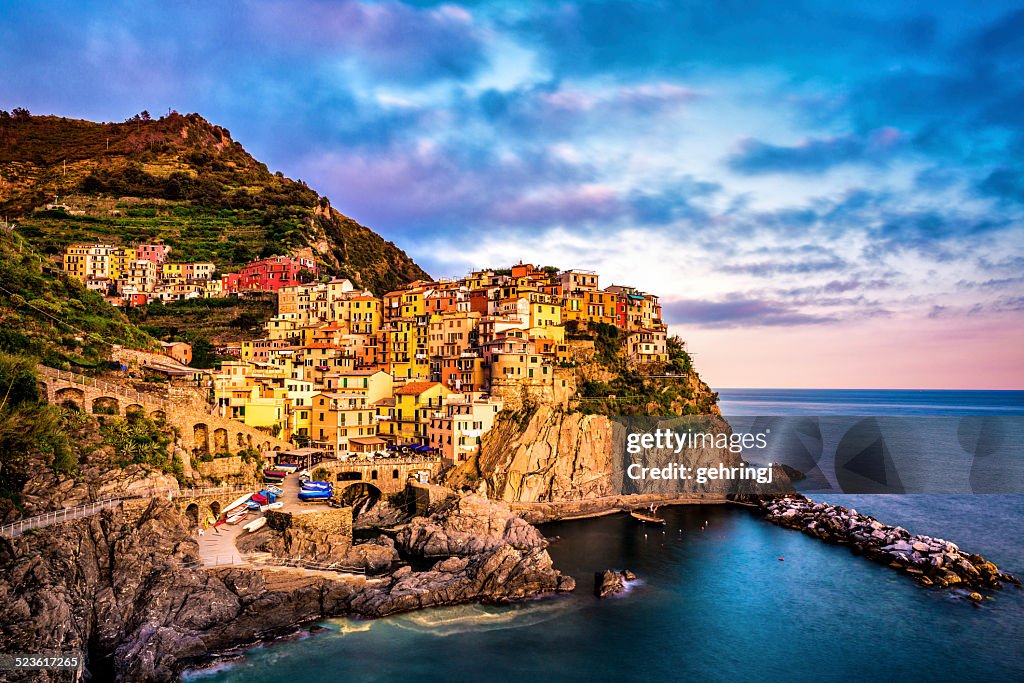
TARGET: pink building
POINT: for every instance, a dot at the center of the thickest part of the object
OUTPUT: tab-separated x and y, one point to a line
154	253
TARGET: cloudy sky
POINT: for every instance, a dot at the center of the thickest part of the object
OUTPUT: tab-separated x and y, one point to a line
823	196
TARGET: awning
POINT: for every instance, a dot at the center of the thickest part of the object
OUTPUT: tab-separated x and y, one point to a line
366	440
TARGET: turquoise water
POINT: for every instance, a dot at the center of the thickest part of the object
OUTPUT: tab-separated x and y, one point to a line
711	605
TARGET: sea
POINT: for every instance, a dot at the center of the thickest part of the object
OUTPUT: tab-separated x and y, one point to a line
740	599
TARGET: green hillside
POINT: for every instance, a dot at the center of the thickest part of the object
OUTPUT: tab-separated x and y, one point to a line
182	180
53	318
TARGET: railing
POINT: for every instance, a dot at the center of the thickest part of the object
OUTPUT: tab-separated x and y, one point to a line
56	516
293	563
69	514
356	462
235	560
113	389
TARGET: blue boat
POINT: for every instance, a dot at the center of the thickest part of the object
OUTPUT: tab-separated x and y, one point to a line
316	485
314	495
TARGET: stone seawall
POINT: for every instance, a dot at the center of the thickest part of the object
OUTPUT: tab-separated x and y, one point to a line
930	561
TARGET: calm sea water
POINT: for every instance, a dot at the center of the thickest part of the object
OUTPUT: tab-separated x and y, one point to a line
715	604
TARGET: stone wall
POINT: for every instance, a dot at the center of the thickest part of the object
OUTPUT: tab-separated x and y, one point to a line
197	430
428	496
223	468
556	391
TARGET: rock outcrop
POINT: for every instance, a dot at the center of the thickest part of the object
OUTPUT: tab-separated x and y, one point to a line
322	548
931	561
125	590
470	525
611	582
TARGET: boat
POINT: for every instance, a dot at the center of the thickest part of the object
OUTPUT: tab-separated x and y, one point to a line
260	499
255	524
316	485
646	518
287	467
276	490
274	474
272	506
252	505
237	517
239	502
314	495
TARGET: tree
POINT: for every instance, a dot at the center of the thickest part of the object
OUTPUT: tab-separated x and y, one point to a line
202	352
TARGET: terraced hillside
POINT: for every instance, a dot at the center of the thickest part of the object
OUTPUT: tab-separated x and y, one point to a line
182	180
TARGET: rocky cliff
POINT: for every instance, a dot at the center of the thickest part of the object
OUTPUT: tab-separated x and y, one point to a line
122	589
549	455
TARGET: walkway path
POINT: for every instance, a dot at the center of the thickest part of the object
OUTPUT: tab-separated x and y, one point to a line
217	546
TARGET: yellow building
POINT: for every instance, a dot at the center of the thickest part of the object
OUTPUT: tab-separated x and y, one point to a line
97	261
415	404
373	384
364	314
267	413
173	271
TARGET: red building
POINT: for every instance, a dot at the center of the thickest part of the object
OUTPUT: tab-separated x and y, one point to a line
269	275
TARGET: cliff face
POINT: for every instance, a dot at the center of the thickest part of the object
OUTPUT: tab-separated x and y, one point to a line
553	456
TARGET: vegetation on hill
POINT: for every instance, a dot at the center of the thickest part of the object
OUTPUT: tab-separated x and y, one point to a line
206	323
37	437
30	429
181	180
54	318
669	388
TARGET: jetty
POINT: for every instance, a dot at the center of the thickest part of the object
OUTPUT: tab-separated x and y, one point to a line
930	561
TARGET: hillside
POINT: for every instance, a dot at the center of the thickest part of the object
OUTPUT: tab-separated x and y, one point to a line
54	318
182	180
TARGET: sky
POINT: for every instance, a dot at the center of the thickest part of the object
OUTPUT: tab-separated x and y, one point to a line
822	195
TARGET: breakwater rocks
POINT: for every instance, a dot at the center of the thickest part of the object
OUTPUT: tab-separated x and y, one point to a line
930	561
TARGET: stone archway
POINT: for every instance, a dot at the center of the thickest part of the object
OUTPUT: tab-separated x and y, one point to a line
201	438
106	405
240	441
192	515
220	440
361	496
70	397
134	410
215	509
158	416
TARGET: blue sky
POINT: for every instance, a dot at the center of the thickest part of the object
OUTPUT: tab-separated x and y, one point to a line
823	195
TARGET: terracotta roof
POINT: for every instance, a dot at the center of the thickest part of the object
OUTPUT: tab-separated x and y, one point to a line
416	388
